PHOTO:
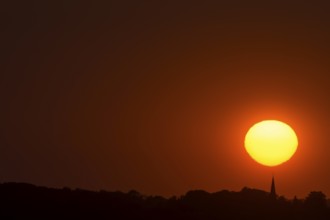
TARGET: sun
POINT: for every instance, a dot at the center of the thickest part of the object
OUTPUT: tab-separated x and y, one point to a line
271	142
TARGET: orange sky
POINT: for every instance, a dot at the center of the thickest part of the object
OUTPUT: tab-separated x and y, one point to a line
158	97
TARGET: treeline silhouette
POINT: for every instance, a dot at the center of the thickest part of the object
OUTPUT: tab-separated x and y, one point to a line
26	201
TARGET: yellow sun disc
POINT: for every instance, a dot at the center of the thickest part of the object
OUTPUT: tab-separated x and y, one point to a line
271	142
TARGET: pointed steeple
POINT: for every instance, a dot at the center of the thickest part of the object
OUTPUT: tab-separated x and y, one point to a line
272	189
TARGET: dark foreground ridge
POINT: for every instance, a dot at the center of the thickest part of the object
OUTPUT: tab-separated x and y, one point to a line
26	201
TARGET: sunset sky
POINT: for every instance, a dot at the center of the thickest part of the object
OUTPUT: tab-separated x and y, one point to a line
157	96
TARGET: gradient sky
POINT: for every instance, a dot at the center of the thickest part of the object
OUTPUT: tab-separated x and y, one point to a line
157	96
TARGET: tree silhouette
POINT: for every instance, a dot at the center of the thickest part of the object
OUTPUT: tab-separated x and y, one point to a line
26	201
316	200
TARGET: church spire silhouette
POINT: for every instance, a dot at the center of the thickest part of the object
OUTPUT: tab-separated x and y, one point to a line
273	190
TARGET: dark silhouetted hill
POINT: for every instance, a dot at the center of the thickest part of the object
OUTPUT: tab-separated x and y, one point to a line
26	201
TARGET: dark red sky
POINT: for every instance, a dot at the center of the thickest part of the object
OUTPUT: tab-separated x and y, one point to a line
157	97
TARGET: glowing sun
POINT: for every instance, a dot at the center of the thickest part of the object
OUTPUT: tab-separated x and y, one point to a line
271	142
